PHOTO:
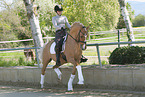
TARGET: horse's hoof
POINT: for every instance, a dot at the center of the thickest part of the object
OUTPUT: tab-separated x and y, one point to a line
59	77
41	86
59	80
80	83
69	91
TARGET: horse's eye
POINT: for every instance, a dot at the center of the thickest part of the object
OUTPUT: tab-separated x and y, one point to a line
82	36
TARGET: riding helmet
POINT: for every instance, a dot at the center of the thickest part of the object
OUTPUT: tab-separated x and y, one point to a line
58	8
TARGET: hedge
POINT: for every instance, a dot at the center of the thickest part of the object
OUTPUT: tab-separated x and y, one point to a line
128	55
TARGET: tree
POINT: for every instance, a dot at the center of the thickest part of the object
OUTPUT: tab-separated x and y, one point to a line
9	23
34	24
139	21
45	14
126	20
17	14
101	14
14	23
121	23
25	31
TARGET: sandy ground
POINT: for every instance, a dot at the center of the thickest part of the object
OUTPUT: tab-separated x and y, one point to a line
14	91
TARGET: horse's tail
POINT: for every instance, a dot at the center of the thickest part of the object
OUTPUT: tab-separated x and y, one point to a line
41	53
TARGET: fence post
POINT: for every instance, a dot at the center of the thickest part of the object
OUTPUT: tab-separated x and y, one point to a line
89	37
37	57
99	58
47	39
118	38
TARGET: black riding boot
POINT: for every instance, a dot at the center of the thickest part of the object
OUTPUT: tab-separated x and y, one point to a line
58	58
59	40
83	59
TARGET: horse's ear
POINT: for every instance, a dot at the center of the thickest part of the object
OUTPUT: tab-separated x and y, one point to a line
87	27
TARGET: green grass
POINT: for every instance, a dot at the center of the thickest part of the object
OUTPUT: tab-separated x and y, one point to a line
14	59
12	54
13	62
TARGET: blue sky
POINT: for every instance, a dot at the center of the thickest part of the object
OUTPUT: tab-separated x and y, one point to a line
137	0
138	6
8	1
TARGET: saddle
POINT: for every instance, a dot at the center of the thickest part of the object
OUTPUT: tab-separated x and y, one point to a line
53	45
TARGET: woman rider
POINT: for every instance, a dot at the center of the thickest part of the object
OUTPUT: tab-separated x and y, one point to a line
59	23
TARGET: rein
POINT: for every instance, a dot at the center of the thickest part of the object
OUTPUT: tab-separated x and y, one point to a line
78	35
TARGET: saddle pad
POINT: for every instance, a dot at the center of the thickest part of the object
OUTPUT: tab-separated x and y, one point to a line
52	47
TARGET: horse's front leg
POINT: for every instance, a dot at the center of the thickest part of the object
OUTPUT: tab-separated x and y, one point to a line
79	70
70	86
80	75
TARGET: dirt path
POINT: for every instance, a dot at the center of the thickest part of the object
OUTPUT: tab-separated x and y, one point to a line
13	91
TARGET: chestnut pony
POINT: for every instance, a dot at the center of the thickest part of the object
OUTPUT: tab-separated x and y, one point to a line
75	43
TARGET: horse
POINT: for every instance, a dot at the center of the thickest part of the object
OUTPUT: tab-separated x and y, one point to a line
29	54
75	43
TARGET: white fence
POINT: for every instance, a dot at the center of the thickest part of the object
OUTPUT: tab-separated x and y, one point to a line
89	50
122	31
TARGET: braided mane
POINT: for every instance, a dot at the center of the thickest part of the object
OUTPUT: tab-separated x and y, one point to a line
76	24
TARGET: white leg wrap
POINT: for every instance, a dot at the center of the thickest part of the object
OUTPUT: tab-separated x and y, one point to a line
80	75
58	72
42	80
70	87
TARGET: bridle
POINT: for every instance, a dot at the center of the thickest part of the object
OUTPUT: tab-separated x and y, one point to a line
78	36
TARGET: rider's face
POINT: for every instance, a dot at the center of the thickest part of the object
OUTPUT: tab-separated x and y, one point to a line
59	12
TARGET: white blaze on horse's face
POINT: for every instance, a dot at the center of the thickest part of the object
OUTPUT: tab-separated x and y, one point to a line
84	46
84	39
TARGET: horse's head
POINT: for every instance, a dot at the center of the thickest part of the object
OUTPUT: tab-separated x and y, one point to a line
81	33
82	37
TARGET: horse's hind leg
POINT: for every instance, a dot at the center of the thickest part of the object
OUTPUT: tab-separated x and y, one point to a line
45	63
58	72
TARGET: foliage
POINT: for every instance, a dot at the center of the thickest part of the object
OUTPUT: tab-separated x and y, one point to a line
8	25
45	16
104	62
127	55
24	31
101	14
139	21
20	62
14	24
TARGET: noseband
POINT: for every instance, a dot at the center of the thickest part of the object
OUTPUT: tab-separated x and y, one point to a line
79	36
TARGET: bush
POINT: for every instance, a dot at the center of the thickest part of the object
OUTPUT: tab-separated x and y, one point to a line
23	62
128	55
13	62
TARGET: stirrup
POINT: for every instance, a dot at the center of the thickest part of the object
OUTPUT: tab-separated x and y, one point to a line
58	63
83	59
